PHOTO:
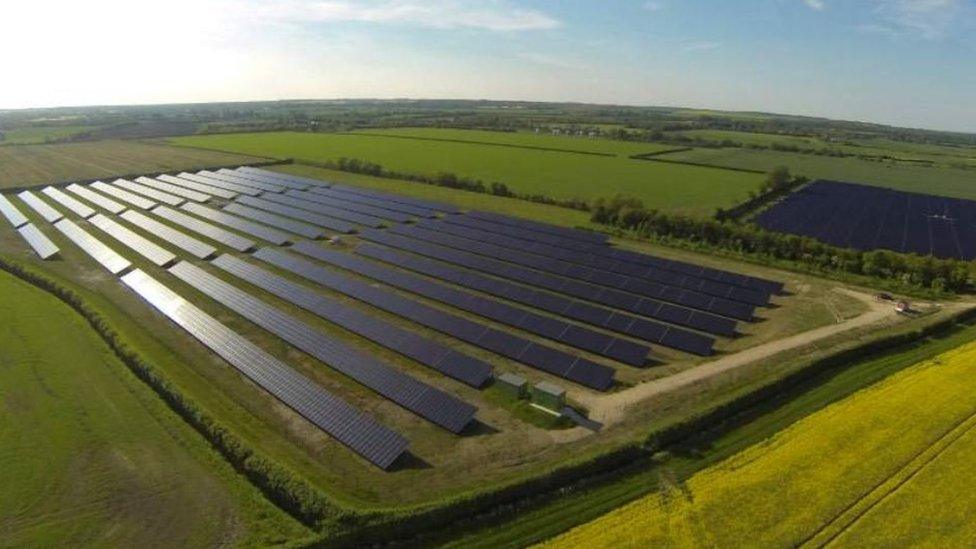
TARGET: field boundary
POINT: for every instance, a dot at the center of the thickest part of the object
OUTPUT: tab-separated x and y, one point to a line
475	142
656	158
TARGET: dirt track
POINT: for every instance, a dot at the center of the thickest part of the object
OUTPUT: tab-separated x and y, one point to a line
609	409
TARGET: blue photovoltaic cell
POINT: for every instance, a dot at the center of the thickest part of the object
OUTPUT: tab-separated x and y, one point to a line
166	233
583	338
42	208
260	185
13	215
99	200
123	195
281	222
197	186
273	236
353	428
149	192
298	213
380	213
177	190
574	234
280	175
221	184
554	361
415	211
264	178
41	244
424	400
445	360
144	247
93	247
428	204
78	208
208	230
328	211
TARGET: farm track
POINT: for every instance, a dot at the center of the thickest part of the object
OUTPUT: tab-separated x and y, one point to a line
830	531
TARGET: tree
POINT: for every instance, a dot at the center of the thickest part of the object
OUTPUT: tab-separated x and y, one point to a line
778	178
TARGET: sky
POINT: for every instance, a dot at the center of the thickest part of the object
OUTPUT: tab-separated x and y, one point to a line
902	62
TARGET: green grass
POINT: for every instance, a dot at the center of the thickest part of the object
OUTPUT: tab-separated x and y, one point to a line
43	164
938	180
41	134
562	175
550	515
91	456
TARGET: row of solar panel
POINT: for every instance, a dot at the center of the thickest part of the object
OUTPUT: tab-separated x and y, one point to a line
507	263
424	400
553	361
705	295
622	323
718	275
358	431
563	332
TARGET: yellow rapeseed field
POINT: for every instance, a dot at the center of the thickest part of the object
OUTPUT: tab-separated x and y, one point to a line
888	465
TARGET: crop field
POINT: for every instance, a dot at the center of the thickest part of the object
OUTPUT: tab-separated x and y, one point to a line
92	457
559	174
939	180
41	134
29	165
872	454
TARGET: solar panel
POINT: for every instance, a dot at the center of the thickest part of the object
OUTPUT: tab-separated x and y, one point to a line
233	187
97	199
176	190
123	195
208	230
168	234
260	185
353	428
298	213
429	204
420	398
11	212
149	192
101	253
507	264
408	209
197	186
266	178
78	208
595	342
254	229
373	211
280	175
447	361
42	208
575	234
151	251
654	332
41	244
290	225
322	209
539	356
578	289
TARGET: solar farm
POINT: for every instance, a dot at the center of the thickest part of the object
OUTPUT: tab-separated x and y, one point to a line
557	305
870	218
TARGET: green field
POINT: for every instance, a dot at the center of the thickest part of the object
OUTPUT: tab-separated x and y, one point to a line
91	456
42	164
41	134
564	175
958	183
817	480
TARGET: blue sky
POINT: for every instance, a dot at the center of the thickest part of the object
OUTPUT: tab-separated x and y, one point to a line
904	62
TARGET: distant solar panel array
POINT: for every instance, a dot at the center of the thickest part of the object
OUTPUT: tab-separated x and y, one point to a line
869	218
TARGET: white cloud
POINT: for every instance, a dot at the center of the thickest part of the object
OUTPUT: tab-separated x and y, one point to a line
818	5
930	19
652	5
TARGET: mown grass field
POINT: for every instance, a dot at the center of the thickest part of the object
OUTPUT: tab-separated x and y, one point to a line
40	134
42	164
559	174
939	180
90	455
868	449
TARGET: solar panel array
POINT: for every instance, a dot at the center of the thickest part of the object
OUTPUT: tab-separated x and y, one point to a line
548	327
656	309
13	215
358	431
42	208
280	181
168	234
553	361
197	186
273	236
175	190
278	175
372	211
535	226
68	202
281	222
322	209
221	184
123	195
399	199
208	230
149	192
99	200
144	247
420	398
863	217
236	180
439	357
408	209
101	253
696	293
40	243
623	323
298	213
